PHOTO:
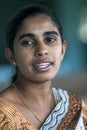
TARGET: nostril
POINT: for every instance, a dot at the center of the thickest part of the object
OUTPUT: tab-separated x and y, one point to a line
41	53
46	53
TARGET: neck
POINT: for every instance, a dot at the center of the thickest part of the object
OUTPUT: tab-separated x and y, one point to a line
38	93
37	98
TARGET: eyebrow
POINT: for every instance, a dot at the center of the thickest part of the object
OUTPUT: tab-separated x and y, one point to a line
31	35
51	32
26	35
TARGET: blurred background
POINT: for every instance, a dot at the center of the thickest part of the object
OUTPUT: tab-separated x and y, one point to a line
73	17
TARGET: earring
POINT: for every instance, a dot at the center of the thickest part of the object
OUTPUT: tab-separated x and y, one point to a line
61	58
13	63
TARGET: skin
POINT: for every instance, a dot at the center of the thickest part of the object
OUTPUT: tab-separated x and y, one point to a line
37	53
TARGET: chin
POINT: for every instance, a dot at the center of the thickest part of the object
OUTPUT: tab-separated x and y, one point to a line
43	79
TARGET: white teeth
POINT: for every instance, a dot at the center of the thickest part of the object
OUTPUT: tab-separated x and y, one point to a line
42	65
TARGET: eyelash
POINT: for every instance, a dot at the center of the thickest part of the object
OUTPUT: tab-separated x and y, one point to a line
27	42
50	39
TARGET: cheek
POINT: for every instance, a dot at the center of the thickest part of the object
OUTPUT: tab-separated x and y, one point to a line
22	58
57	52
23	62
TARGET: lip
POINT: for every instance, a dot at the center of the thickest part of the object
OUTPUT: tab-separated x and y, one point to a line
42	65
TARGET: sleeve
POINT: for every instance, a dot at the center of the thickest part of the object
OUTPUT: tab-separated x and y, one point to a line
5	122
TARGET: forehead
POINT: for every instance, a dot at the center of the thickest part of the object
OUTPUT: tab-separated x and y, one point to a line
37	23
39	18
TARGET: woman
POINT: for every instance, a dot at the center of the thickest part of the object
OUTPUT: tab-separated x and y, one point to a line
36	47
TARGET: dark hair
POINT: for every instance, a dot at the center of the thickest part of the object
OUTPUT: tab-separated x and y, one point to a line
17	18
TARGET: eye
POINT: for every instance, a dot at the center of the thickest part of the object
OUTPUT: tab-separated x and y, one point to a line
50	39
27	42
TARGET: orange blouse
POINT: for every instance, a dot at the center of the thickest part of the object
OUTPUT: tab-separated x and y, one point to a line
11	119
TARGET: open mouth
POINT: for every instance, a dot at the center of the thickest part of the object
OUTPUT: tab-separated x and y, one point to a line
43	66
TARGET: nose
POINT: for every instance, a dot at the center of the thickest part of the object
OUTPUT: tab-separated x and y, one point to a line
41	50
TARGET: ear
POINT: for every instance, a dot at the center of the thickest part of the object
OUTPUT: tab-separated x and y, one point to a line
9	55
64	46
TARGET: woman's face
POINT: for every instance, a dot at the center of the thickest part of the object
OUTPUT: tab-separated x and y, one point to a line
38	49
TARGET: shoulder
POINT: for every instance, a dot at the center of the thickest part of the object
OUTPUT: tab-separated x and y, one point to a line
71	96
6	118
76	105
72	100
10	118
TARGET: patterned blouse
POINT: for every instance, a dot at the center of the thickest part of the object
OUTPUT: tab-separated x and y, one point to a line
70	113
